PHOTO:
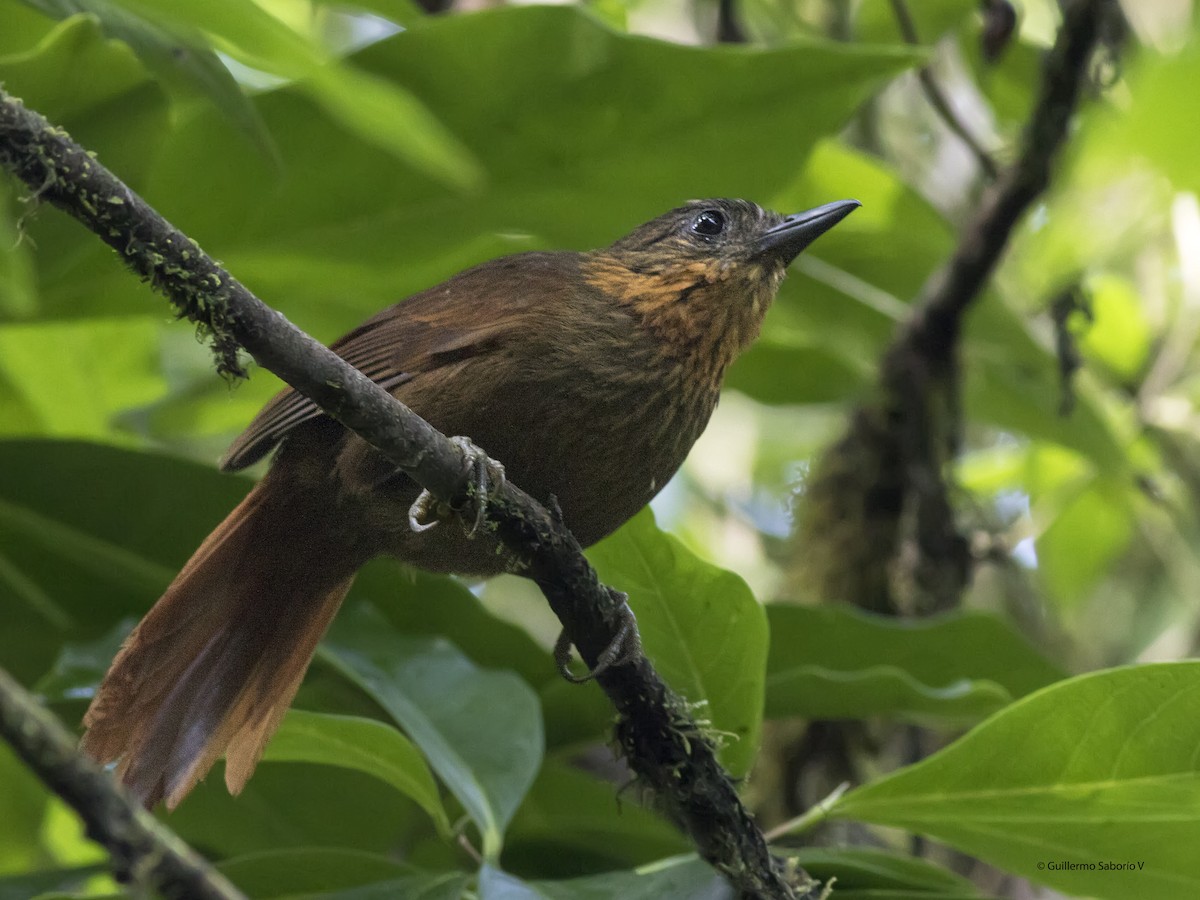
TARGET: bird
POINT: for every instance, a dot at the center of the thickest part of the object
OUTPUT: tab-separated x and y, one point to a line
588	375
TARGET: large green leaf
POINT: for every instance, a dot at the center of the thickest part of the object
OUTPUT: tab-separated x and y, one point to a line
677	877
380	112
53	883
99	91
833	662
342	229
90	535
573	822
363	744
441	886
419	604
1089	532
306	870
480	730
1096	772
700	625
113	367
294	806
859	874
21	844
178	55
863	874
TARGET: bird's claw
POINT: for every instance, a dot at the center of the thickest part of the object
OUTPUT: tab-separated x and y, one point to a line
424	513
624	648
424	507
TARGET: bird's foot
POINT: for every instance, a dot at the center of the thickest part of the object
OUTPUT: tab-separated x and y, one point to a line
624	648
427	511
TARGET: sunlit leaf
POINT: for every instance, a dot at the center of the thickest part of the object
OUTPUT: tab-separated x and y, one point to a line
1101	769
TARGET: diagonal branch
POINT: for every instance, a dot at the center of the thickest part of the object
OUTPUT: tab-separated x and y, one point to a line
882	484
143	850
663	744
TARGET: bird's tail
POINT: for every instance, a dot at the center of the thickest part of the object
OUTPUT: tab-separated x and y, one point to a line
215	664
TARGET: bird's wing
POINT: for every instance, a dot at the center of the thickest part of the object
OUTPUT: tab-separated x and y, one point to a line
474	313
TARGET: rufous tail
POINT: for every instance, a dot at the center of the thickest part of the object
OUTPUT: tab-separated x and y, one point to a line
215	664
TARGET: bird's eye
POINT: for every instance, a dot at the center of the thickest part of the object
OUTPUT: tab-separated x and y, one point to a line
708	224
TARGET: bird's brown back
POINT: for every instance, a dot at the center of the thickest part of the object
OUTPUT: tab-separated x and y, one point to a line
555	377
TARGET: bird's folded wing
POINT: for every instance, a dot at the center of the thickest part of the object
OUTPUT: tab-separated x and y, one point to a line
474	313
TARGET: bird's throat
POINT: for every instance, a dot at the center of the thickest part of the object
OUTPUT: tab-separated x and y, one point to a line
703	313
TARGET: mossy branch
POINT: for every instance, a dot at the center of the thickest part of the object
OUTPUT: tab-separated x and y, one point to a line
663	744
143	851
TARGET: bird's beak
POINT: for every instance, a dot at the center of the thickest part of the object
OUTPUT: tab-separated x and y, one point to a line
793	234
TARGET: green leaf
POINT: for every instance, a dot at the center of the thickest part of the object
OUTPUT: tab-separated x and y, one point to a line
576	714
18	288
1146	127
305	870
362	744
381	112
25	798
108	103
677	877
573	822
1118	335
94	537
553	132
863	874
481	731
875	20
402	12
103	71
831	662
60	882
442	886
296	806
178	56
1086	535
393	120
419	604
114	367
700	625
1096	770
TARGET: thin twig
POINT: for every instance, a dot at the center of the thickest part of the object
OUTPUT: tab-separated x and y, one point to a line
143	851
665	747
810	818
937	97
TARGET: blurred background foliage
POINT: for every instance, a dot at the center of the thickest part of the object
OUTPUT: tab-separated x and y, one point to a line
338	157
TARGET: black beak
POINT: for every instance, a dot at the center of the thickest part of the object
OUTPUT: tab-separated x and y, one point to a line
793	234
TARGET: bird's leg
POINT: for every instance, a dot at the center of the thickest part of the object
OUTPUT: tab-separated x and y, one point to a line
427	512
624	648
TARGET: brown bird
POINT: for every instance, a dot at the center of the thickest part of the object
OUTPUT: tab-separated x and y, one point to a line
588	375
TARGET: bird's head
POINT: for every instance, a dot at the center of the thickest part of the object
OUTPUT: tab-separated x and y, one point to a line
702	276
